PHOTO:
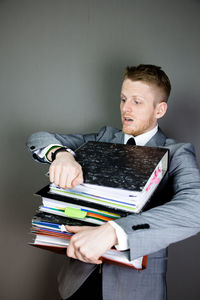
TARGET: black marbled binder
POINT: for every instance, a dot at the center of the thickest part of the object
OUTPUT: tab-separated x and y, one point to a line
118	176
55	219
117	165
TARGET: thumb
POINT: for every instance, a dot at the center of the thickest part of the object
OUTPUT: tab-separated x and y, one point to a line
75	229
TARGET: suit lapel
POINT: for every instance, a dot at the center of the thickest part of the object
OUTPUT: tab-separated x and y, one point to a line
118	138
157	140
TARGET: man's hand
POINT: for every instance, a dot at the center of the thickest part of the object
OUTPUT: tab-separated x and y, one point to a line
65	171
88	244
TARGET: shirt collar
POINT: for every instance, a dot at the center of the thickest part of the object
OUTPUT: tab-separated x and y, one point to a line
143	138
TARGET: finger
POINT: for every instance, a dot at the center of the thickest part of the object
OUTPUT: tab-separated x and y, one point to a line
96	261
70	174
51	173
79	251
57	174
77	176
81	254
99	261
78	180
76	229
70	251
73	249
68	182
63	177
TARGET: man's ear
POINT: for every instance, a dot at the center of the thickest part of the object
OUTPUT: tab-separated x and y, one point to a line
161	109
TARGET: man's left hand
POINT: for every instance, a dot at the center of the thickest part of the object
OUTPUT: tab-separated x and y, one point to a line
88	244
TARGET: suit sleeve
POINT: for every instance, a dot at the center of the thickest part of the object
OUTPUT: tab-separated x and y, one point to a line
175	220
40	140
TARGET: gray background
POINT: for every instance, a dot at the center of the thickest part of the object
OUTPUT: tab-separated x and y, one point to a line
61	64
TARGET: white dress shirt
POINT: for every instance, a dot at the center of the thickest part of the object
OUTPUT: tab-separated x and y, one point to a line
140	140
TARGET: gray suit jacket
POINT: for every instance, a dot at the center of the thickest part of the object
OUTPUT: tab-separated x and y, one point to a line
173	216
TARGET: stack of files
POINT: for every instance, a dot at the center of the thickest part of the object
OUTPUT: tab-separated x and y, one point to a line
118	180
50	234
69	207
56	211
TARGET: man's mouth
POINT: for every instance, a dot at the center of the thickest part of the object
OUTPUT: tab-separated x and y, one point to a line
127	119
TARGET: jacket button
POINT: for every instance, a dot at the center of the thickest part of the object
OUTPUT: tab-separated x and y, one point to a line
141	226
32	147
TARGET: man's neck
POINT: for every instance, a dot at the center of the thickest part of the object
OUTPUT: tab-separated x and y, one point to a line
143	138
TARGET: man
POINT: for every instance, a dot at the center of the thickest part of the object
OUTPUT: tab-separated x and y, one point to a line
172	216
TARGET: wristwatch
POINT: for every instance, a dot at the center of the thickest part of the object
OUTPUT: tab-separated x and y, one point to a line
61	149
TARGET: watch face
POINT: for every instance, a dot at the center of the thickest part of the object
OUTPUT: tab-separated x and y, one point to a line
70	151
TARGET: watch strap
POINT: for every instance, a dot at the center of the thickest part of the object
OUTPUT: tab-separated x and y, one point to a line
61	149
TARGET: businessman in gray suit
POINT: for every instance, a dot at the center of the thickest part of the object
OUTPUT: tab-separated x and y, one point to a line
171	215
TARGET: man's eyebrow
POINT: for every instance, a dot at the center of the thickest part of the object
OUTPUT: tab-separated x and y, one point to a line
122	95
133	97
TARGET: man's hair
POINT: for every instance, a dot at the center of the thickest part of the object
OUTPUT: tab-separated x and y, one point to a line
150	74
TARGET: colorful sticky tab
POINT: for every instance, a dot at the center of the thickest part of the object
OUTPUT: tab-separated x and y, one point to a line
75	213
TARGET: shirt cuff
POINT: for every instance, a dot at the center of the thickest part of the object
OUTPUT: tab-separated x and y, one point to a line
42	152
121	236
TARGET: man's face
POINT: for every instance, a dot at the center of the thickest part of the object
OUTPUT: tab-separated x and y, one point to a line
139	106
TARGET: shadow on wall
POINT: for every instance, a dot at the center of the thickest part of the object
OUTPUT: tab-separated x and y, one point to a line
182	121
29	273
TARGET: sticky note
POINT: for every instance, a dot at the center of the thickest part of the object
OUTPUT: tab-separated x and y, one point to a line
75	213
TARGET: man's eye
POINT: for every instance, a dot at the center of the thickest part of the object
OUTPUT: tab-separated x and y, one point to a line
123	100
137	102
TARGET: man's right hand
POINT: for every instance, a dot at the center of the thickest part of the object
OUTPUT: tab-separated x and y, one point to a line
65	171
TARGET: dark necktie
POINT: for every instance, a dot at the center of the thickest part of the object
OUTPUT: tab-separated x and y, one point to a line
131	141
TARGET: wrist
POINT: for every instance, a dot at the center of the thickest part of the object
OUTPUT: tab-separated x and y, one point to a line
64	154
112	233
51	151
52	155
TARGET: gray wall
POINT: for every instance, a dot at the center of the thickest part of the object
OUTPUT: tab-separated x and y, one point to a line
60	70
